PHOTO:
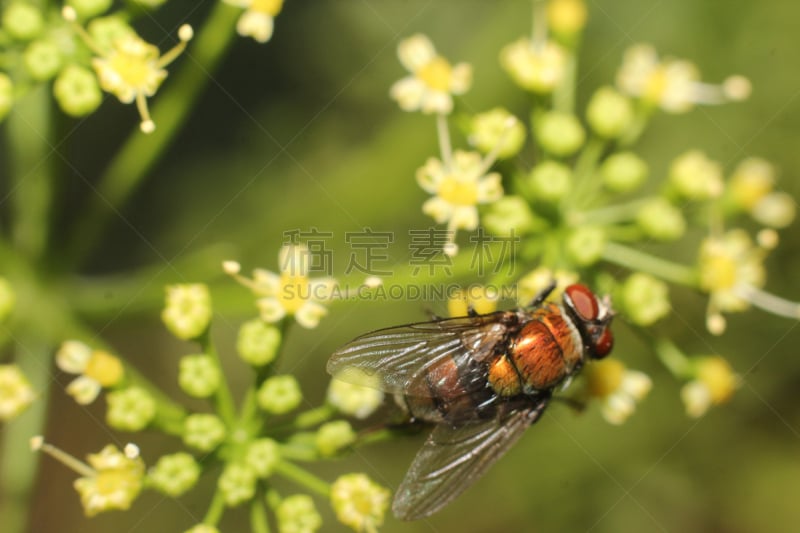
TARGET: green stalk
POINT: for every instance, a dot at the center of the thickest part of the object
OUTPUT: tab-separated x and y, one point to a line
258	516
302	477
633	259
223	396
29	151
129	168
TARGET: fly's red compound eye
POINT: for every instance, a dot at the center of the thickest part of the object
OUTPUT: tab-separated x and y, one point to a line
583	301
604	344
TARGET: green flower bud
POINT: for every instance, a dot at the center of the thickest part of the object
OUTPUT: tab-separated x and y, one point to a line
279	394
585	245
258	342
22	21
550	181
130	409
355	392
509	214
87	9
645	299
77	91
174	474
237	483
695	176
661	220
560	134
203	431
497	130
623	172
6	95
187	312
106	30
16	393
8	299
262	455
297	514
609	113
334	436
42	60
199	375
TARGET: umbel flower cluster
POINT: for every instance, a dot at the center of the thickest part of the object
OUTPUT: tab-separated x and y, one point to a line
569	188
89	47
265	436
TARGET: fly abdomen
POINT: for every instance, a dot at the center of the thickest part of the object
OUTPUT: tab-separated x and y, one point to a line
455	391
538	357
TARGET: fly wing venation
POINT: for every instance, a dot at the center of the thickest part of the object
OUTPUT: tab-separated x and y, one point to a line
455	456
398	355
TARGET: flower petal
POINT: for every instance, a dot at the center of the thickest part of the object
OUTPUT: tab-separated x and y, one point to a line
490	188
463	217
415	52
255	24
73	356
461	79
270	309
408	93
84	390
310	314
440	210
437	102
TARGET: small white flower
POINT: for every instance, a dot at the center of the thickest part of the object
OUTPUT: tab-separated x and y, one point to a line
258	20
433	79
291	292
458	188
673	84
617	387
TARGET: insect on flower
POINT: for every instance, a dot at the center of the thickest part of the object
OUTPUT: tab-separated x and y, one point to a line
481	380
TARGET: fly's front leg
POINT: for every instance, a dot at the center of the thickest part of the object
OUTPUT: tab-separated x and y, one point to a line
543	294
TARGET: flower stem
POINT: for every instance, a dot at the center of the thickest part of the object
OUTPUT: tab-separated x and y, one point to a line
258	516
30	153
443	132
303	477
141	152
622	255
215	509
223	396
672	358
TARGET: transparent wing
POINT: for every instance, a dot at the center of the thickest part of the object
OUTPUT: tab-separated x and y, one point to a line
454	457
400	355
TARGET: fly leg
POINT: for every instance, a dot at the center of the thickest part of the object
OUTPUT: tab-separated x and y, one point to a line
543	294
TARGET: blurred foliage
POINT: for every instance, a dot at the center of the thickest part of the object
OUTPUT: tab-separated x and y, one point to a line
301	133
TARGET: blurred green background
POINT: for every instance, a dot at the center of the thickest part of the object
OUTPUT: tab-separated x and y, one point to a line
300	133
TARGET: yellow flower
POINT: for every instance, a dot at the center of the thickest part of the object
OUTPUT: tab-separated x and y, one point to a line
111	481
291	292
480	298
713	384
16	393
532	283
433	79
258	20
359	502
131	69
96	369
537	67
729	266
458	186
673	84
617	387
